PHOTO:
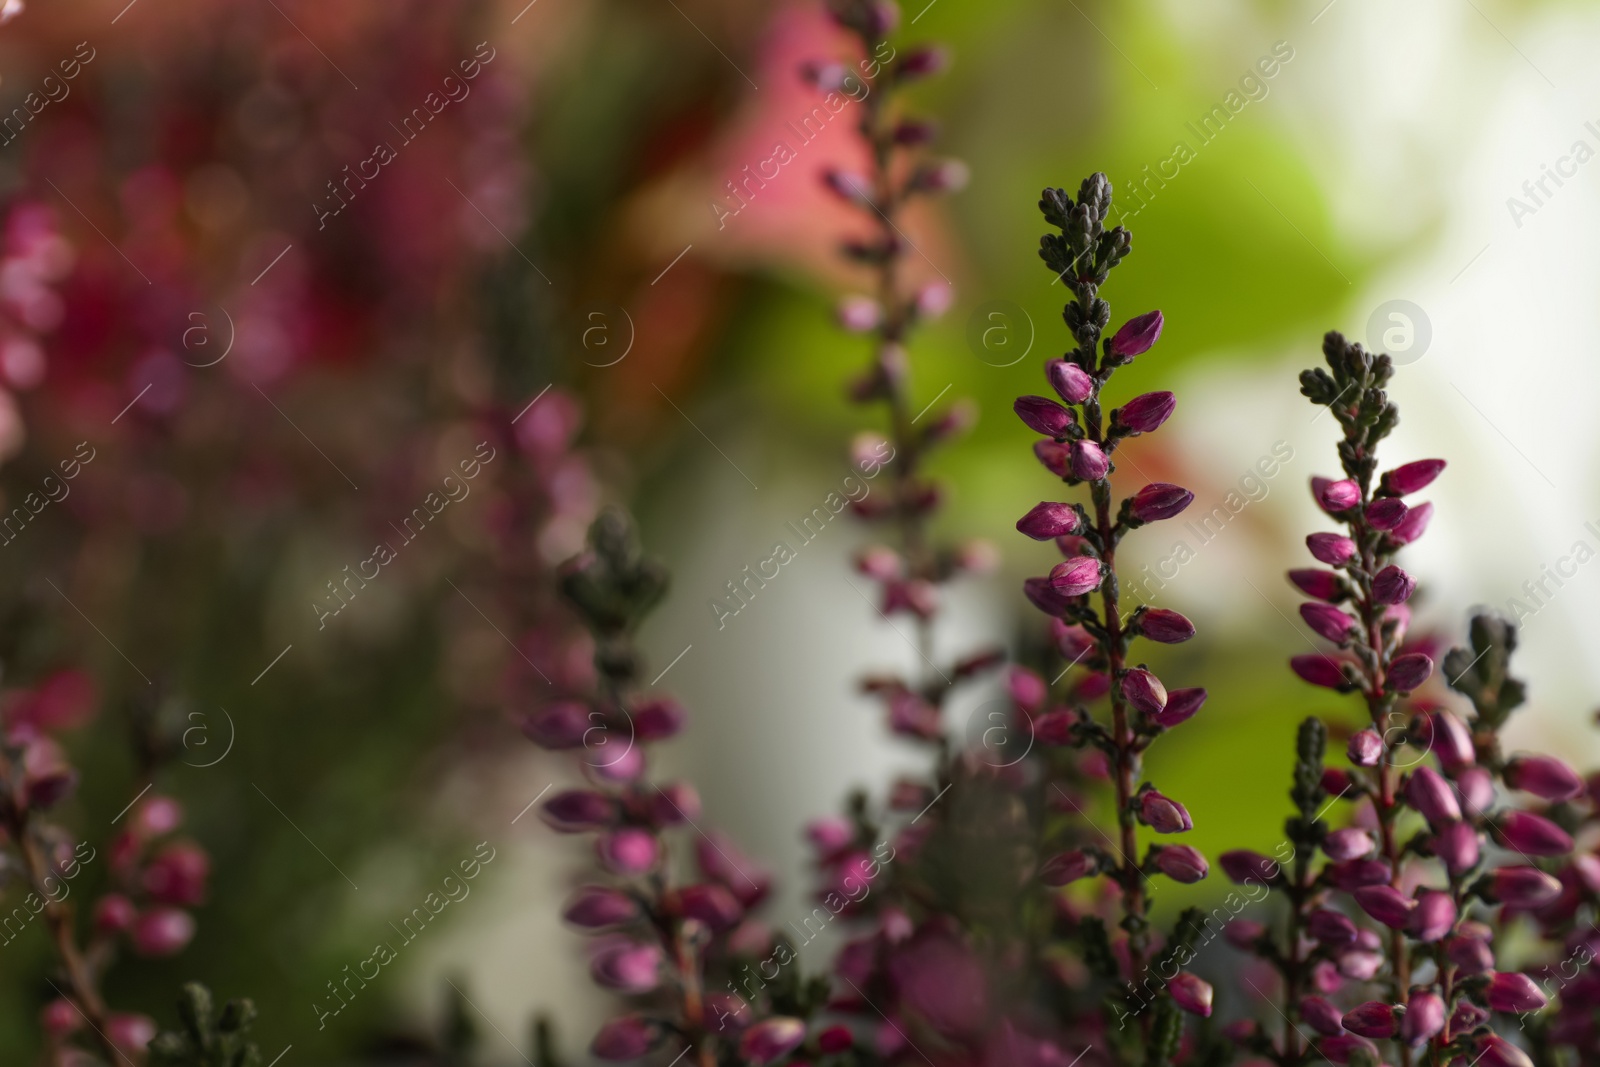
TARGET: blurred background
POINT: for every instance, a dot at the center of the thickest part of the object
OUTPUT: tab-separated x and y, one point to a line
261	342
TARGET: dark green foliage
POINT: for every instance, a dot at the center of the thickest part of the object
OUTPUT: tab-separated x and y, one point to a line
1304	828
1354	393
207	1039
1482	673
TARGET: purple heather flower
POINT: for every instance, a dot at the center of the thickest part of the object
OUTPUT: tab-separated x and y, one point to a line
858	314
626	1038
1145	413
1324	585
629	851
1191	993
1328	621
1070	381
771	1039
1495	1051
1351	843
1373	1019
1513	992
1432	796
1386	513
559	726
1165	626
1319	670
1413	526
673	804
1047	520
1409	671
1076	576
1409	478
1180	707
1475	785
657	719
628	967
1089	462
1243	933
1144	691
1365	748
1042	415
1386	904
1163	814
1322	1015
1532	835
1335	497
1457	846
1182	863
1336	781
1424	1017
1543	776
711	904
1359	965
1392	585
596	907
1136	336
850	186
1355	874
1471	955
1068	867
576	810
923	62
1331	927
1027	690
1435	916
1331	548
1522	887
1450	741
1242	865
1467	1016
1043	596
1159	500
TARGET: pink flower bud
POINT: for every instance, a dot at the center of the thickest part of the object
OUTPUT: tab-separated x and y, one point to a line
59	1017
1496	1051
1071	382
710	904
1543	776
1163	814
1424	1017
1407	672
1089	462
628	967
1450	741
114	914
1330	548
1067	867
1457	846
1386	904
1243	866
130	1031
1467	1016
1145	413
1076	576
1469	954
1354	874
1071	641
559	726
1434	918
1336	782
1136	336
1335	497
858	314
771	1039
673	804
1324	585
1047	520
1043	596
1386	513
1365	748
834	1040
1351	843
1513	992
657	718
1144	691
1182	863
1392	586
1159	500
1413	526
177	875
1180	707
162	931
923	62
629	851
157	815
1373	1019
1522	887
1189	992
943	176
933	299
1409	478
596	907
1359	965
625	1038
1044	416
1055	456
576	810
1322	1015
1331	927
1432	796
1028	690
1165	626
849	186
1320	670
1328	621
1243	934
1532	835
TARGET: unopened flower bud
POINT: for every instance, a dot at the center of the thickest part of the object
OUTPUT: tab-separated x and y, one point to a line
1432	796
1332	549
162	931
1335	497
1165	626
1434	918
858	314
114	913
1351	843
1144	691
1089	461
1163	814
934	298
1046	520
1450	741
1319	670
914	132
1373	1019
1044	416
1543	776
1067	867
1331	927
1243	866
60	1017
1495	1051
1145	413
1521	887
1392	586
1457	846
1532	835
1513	992
923	62
559	726
1190	992
1076	576
597	907
1322	1015
1424	1017
629	852
1182	863
1324	585
1070	381
943	176
128	1030
657	718
625	1038
1409	478
834	1040
1055	456
628	967
1386	904
1159	500
1336	781
1180	707
710	904
771	1039
1413	526
1386	513
1365	748
177	875
1328	621
1136	336
576	810
1244	934
1407	672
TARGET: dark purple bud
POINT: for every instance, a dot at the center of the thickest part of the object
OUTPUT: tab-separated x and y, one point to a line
1190	993
1413	526
1319	670
1144	691
1543	776
1373	1019
1471	955
1495	1051
560	726
1146	413
657	719
1522	887
1365	748
625	1038
881	18
1331	927
1047	520
1434	918
1424	1017
1409	478
1457	846
1513	992
1056	457
673	804
1076	576
1407	672
771	1040
1068	867
1328	621
597	907
1163	814
1165	626
1044	597
629	851
1070	381
1042	415
1182	863
1089	461
1351	843
1392	585
1335	497
1160	500
1322	1015
627	967
1136	336
1180	707
914	132
1386	904
1354	874
923	62
1244	933
576	810
1243	866
1432	796
1532	835
1331	548
1324	585
1336	781
1386	513
1450	741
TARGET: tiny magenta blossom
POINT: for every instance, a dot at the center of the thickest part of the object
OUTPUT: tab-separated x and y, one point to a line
1532	835
1372	1019
1411	477
1047	520
1328	621
1191	993
1068	867
1163	814
1070	381
1543	776
1336	496
1075	577
1089	461
1386	904
1165	626
1513	992
1432	796
1145	413
1182	863
1144	691
1424	1017
1392	585
1044	416
1180	707
1324	585
1386	513
1332	549
1138	335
